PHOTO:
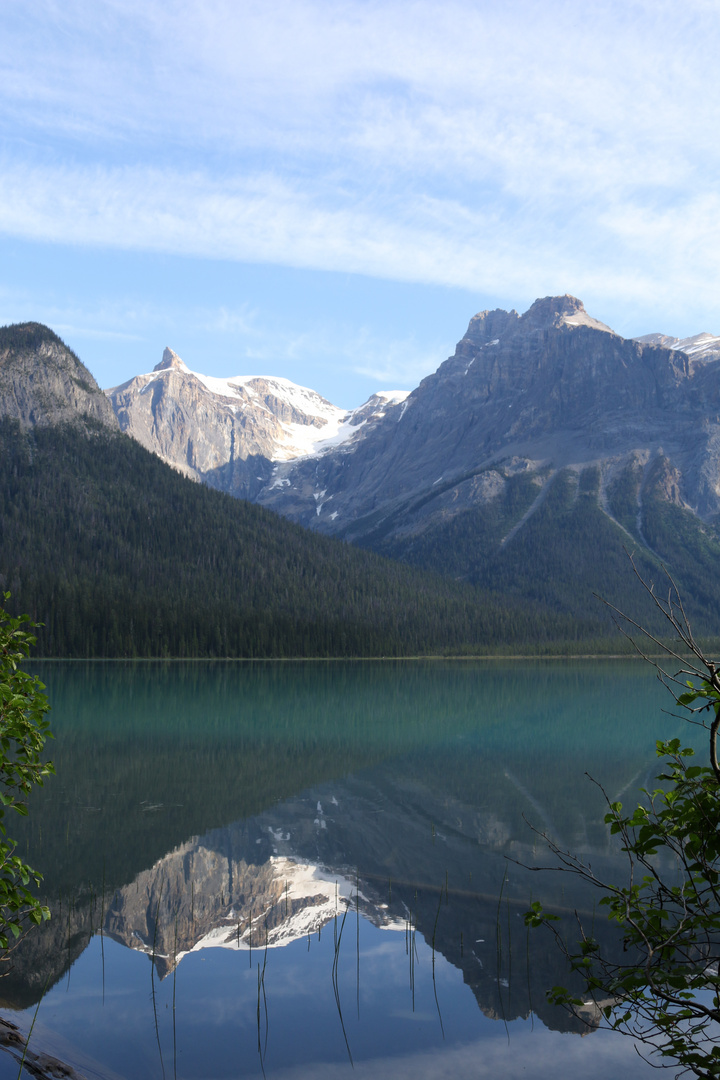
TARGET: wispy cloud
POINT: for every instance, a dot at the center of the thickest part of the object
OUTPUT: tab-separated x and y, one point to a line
397	364
114	320
517	148
398	83
242	321
535	1055
419	238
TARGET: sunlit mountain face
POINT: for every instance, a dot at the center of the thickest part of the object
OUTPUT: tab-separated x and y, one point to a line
235	433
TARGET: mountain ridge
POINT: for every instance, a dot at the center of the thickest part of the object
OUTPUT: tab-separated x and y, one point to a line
524	466
229	433
551	386
43	382
537	452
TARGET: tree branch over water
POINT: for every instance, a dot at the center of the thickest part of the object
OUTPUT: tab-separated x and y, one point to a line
662	984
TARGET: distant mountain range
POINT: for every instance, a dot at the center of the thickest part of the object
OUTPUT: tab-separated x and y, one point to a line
548	390
544	445
117	554
524	468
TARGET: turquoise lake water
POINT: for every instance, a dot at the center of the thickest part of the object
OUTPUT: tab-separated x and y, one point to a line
320	869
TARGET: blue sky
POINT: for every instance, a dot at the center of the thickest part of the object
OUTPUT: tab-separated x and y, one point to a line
330	190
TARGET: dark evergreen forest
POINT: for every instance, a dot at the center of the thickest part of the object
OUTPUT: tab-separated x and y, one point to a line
119	555
569	551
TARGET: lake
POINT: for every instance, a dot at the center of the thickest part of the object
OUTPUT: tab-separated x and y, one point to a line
320	869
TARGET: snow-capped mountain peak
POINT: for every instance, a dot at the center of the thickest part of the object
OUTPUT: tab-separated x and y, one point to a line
702	346
170	359
230	431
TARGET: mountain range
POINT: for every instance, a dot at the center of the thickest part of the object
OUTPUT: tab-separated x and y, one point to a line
517	476
536	393
118	554
526	462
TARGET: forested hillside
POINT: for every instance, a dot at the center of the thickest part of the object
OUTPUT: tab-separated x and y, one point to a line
570	547
119	555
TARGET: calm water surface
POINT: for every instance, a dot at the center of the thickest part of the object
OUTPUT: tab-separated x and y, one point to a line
303	869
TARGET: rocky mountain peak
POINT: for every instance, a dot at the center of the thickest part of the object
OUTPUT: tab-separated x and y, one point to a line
547	313
170	359
489	326
42	381
559	311
553	386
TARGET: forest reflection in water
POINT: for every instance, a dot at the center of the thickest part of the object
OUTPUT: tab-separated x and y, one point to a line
370	818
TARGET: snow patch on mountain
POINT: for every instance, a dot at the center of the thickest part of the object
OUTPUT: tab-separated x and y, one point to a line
703	346
296	421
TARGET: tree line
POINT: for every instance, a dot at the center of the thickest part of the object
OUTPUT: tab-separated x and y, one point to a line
119	555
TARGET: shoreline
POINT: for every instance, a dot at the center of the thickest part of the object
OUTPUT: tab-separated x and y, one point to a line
434	658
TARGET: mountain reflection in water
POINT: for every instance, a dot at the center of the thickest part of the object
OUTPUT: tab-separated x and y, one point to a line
258	806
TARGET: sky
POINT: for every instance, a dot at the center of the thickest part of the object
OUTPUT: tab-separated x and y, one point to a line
328	190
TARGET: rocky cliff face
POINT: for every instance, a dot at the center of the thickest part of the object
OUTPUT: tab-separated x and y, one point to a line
548	390
229	433
43	382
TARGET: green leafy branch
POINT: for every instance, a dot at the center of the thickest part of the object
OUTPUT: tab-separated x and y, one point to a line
24	729
661	982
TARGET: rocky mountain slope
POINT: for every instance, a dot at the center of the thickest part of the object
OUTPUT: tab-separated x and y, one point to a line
538	452
526	462
43	382
537	393
229	432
